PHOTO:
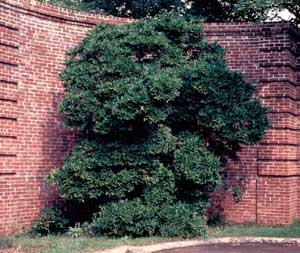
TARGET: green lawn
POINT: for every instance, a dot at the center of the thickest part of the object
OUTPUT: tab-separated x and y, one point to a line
255	231
63	244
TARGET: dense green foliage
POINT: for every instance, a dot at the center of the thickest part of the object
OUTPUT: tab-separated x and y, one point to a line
214	10
129	8
159	113
122	8
210	10
136	219
50	221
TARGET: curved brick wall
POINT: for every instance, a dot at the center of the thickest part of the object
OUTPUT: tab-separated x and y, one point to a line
33	40
268	172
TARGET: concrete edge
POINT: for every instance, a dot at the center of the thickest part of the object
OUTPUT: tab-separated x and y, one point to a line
197	242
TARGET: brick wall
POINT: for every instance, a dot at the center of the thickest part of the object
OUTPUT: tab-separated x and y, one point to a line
268	173
33	40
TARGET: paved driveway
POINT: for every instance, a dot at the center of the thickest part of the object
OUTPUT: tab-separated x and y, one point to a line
239	248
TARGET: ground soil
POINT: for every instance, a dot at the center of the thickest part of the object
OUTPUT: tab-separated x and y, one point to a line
16	250
11	250
239	248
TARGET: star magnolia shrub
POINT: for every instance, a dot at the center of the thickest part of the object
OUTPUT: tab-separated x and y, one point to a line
159	112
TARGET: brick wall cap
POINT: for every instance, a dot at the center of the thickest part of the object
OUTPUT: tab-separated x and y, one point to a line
280	27
48	11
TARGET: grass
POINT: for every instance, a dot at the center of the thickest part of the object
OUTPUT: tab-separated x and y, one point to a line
292	231
64	244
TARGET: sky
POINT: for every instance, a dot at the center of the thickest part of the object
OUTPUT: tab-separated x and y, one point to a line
284	14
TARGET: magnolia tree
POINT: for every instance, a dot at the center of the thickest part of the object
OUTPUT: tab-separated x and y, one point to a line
159	113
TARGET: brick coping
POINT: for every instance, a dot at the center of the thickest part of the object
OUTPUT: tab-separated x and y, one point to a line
56	13
198	242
